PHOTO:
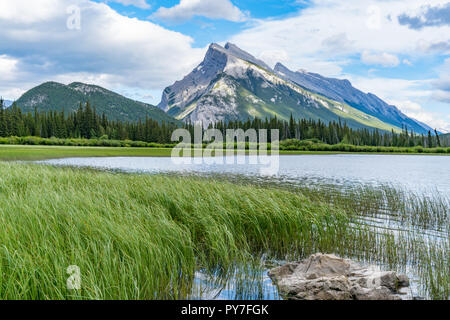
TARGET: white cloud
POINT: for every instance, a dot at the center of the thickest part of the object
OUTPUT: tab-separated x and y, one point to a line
442	95
27	12
338	43
271	57
441	85
436	120
186	9
407	62
109	49
137	3
8	67
391	89
316	35
407	106
383	59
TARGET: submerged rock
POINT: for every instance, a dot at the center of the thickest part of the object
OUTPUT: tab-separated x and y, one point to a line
328	277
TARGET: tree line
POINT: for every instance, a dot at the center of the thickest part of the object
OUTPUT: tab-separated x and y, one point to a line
87	123
335	132
83	123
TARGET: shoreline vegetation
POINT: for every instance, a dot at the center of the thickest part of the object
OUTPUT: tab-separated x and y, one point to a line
145	236
86	123
34	148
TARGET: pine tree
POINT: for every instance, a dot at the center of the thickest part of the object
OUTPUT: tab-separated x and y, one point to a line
430	140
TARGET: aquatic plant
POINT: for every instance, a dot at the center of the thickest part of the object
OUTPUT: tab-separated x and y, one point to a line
145	236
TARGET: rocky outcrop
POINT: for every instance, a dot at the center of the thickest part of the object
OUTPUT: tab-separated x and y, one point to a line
328	277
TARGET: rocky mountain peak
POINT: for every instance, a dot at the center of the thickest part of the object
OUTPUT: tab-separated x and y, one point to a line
244	55
215	56
231	84
218	60
279	67
214	47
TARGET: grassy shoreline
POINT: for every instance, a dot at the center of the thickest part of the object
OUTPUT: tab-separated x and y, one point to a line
138	236
105	147
144	237
30	153
134	235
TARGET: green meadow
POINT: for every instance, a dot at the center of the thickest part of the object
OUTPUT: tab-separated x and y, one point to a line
42	152
19	152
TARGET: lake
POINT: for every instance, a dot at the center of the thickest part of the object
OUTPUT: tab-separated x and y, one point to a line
422	174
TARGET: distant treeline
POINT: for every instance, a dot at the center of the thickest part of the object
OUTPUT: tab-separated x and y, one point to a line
85	123
336	132
312	145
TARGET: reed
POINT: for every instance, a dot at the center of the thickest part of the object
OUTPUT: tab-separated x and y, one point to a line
138	237
145	237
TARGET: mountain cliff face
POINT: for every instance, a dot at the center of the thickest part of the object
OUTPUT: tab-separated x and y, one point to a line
53	96
230	84
343	91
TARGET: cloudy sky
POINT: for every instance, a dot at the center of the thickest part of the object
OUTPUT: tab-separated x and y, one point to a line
398	50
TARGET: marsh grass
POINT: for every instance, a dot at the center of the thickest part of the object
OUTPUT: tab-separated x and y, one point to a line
397	229
390	227
140	237
145	236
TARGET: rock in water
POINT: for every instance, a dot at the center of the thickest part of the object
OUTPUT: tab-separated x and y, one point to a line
328	277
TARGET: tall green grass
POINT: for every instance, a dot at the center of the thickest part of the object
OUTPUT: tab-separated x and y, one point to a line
140	237
394	228
144	237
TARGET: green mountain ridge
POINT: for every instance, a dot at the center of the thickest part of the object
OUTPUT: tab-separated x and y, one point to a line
53	96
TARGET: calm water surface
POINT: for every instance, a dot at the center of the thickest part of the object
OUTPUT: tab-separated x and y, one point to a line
414	172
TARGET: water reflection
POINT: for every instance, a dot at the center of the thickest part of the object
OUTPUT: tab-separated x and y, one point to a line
418	173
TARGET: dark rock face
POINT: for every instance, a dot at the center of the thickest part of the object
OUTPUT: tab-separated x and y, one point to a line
241	54
194	85
328	277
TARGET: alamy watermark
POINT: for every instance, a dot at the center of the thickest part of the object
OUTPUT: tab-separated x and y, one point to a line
236	147
73	22
74	280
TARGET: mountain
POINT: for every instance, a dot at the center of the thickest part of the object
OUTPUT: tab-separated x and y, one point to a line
230	84
51	96
343	91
